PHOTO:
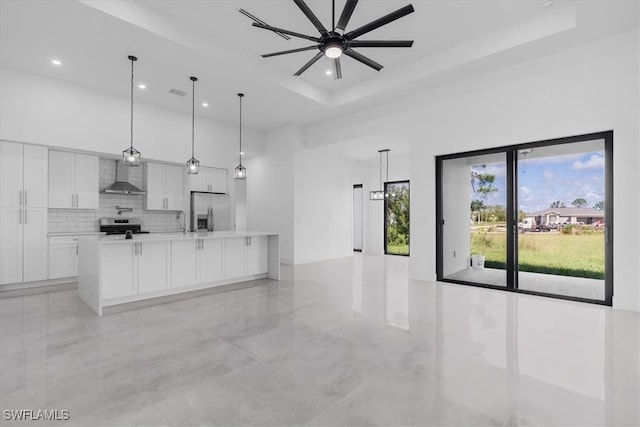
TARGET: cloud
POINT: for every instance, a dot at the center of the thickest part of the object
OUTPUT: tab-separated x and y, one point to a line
548	174
595	162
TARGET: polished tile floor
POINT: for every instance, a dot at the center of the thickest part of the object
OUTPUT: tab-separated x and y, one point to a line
344	342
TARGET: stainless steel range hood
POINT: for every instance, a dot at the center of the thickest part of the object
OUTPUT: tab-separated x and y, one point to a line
122	184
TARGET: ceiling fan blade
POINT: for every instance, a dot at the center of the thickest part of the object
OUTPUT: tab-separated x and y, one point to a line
309	64
337	69
346	14
360	57
312	17
403	11
284	52
280	30
381	43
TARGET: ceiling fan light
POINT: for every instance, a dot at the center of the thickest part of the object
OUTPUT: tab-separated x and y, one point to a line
333	51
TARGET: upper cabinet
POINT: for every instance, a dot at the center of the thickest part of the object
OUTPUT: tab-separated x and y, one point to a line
209	179
23	175
164	187
73	180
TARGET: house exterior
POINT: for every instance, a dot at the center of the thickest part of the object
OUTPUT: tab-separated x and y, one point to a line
571	215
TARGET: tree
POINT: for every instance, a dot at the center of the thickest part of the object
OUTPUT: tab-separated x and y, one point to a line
482	186
557	204
579	202
599	205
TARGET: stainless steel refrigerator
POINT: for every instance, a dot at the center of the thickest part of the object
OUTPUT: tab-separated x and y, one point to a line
210	211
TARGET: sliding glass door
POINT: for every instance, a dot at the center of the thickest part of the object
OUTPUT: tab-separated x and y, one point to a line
534	218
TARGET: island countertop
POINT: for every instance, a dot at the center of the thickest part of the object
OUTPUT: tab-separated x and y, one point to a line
173	236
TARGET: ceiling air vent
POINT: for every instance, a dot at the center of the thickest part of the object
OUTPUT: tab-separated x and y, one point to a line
177	92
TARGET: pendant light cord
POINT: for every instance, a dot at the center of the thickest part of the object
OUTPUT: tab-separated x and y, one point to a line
240	95
193	108
132	58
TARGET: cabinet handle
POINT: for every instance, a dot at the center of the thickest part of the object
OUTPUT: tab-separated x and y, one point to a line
25	197
76	250
25	217
20	194
77	203
20	217
140	248
202	244
134	248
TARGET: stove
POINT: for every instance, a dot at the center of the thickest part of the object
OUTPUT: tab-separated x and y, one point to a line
121	226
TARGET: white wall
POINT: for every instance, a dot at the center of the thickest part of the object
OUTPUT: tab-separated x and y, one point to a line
40	110
270	188
456	199
587	89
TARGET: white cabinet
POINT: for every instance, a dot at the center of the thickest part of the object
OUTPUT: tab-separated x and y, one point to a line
23	251
184	263
246	256
131	268
209	179
152	266
210	260
73	180
116	270
196	261
23	213
164	187
257	255
63	257
23	175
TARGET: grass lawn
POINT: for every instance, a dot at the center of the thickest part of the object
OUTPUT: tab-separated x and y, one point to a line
398	249
578	255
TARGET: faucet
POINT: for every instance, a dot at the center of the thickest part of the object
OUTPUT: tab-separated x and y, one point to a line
183	223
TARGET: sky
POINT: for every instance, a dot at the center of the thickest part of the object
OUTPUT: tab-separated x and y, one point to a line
544	180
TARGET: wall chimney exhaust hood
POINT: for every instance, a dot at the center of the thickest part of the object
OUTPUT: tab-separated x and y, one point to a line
122	185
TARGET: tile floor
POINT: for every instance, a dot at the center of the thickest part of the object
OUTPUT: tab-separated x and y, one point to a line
344	342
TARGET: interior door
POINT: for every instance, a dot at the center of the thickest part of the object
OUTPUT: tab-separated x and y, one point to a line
357	217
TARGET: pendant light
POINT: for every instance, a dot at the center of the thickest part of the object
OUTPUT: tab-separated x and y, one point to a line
240	171
379	194
131	156
193	165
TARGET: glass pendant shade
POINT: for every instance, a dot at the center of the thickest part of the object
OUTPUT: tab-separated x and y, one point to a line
193	166
376	195
131	157
240	172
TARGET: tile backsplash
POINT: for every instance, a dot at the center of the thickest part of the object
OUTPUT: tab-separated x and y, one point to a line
83	220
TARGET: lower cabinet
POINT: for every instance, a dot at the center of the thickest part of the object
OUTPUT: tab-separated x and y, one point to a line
23	252
184	263
246	256
63	257
133	268
195	262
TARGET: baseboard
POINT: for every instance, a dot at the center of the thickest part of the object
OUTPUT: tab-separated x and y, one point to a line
15	290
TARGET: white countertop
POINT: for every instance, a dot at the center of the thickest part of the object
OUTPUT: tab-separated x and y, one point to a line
120	238
76	234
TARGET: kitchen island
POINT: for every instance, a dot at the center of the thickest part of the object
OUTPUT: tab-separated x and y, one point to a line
113	270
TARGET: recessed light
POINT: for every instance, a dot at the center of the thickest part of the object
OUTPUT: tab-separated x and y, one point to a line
142	86
242	153
328	72
56	62
205	104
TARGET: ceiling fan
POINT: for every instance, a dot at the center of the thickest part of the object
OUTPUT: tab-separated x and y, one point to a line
335	42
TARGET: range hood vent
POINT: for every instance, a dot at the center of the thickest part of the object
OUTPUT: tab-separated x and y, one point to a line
122	185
